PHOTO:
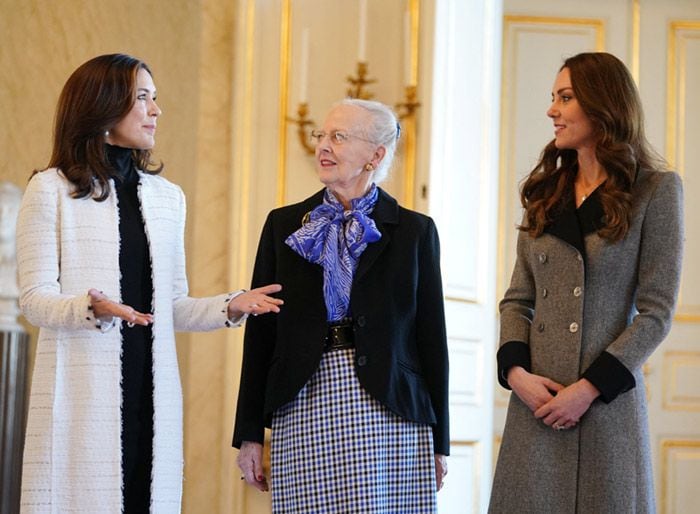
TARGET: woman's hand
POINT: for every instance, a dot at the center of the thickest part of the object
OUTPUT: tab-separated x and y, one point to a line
250	462
567	407
255	302
440	470
105	309
534	390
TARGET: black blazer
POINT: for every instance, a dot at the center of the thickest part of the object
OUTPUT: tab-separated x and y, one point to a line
399	322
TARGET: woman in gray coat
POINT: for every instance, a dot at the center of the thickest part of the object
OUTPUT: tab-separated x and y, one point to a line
591	297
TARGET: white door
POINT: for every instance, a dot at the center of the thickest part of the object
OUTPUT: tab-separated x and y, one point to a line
461	155
660	42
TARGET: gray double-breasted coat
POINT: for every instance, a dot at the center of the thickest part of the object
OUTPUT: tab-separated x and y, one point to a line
581	306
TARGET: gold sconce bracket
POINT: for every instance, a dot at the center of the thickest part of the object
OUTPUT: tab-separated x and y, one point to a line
302	122
407	108
358	83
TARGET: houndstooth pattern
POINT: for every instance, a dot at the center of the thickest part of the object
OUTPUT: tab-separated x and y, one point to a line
335	449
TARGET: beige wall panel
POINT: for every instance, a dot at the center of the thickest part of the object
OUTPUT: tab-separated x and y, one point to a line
681	381
680	461
683	73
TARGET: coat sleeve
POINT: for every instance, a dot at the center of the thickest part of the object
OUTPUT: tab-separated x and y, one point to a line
196	314
432	337
517	311
660	256
258	347
38	261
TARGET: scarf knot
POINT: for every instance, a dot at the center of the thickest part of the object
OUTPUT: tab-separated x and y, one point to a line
335	239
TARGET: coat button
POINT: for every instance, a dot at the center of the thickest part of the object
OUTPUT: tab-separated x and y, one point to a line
544	292
362	360
361	321
543	258
540	327
577	291
573	328
578	257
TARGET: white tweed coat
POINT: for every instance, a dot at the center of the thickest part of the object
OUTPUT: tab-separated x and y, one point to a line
72	456
568	312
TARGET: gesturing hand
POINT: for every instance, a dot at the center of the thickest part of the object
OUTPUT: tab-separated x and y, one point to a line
105	309
250	462
256	301
533	390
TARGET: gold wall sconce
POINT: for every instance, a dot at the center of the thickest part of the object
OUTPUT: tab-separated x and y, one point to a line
357	88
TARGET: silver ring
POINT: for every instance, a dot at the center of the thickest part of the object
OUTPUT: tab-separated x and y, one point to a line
560	427
130	324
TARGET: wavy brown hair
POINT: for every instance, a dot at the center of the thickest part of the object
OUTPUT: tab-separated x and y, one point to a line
95	97
607	94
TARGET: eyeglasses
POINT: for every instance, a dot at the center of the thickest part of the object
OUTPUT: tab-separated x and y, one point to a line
337	137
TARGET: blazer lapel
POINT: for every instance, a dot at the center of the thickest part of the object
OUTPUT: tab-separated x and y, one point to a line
386	212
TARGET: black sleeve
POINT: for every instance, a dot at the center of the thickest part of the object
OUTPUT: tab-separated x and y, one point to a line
512	353
258	346
432	336
610	376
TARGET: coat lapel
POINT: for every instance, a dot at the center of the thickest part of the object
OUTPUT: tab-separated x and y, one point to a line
385	213
573	224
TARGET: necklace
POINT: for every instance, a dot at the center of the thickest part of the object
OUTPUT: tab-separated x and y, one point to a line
587	191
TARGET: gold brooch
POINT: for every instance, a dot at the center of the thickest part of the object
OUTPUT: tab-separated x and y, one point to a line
306	218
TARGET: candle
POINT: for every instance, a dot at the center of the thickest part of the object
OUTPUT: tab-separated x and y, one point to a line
362	35
407	48
304	75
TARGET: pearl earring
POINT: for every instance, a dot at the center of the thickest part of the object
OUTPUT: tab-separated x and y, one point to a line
106	133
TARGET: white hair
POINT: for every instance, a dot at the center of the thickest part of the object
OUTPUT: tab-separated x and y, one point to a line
384	130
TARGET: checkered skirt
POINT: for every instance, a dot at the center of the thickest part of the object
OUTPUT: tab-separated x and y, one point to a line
335	449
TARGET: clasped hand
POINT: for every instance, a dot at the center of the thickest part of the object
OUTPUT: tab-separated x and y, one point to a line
556	405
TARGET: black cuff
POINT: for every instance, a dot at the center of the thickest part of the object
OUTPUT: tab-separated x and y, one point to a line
610	376
512	353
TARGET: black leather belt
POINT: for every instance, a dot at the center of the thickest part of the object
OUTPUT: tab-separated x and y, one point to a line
340	336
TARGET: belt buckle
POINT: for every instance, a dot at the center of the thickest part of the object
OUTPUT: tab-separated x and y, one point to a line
335	334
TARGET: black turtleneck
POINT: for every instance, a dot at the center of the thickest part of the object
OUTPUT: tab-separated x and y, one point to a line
137	357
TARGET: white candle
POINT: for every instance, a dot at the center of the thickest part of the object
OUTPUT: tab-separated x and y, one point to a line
407	48
362	35
304	75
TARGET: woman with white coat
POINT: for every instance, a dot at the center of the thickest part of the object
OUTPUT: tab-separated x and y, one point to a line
102	273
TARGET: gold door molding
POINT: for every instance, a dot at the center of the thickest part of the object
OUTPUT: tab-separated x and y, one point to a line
673	453
680	32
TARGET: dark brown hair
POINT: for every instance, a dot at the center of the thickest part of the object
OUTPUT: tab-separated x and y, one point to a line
607	94
95	97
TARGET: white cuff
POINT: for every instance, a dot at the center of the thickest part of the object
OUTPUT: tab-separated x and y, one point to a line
238	320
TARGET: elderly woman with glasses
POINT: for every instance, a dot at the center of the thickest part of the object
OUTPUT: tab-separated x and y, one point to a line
352	375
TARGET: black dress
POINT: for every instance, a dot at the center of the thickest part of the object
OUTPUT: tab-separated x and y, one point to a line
137	352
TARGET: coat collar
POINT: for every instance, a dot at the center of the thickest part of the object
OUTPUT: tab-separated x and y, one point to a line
572	224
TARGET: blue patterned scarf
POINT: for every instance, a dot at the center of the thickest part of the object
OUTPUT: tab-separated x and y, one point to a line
335	238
